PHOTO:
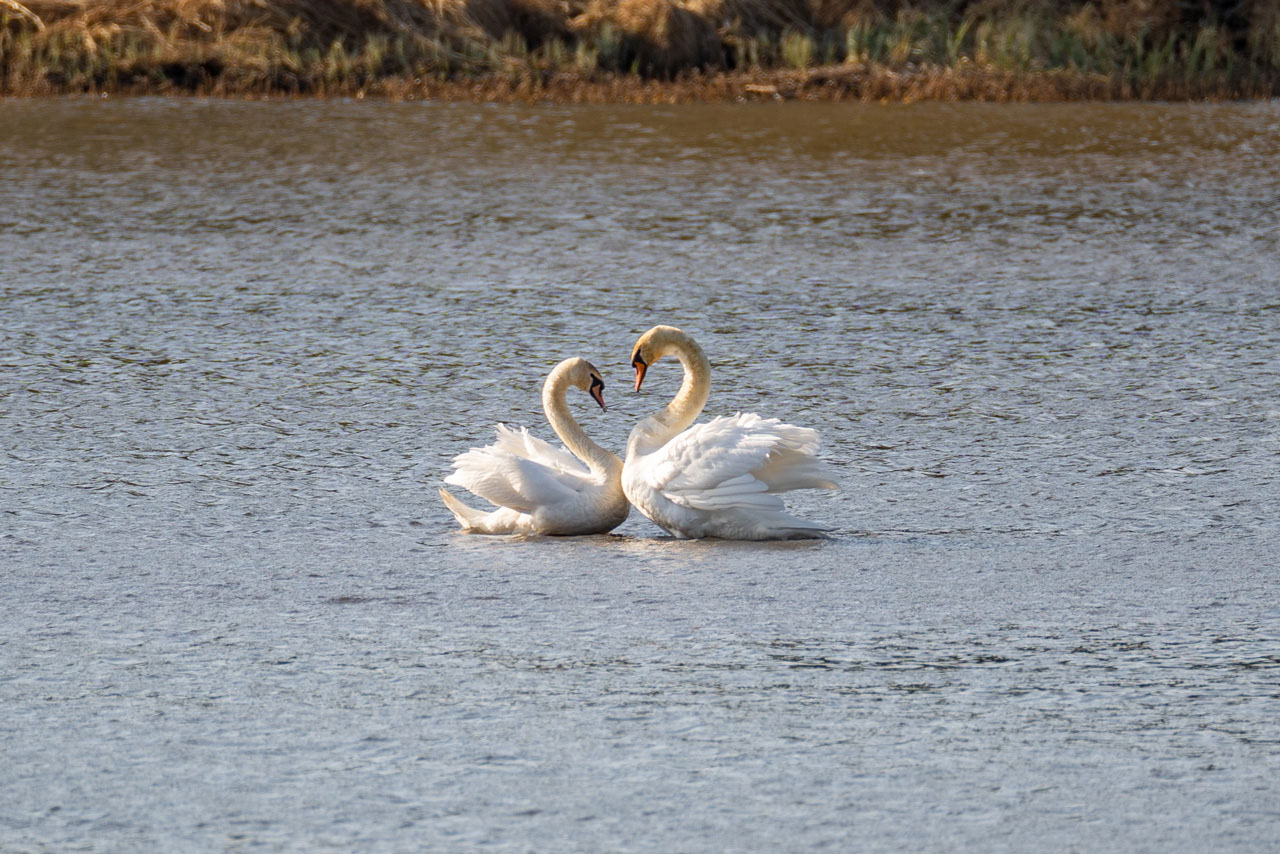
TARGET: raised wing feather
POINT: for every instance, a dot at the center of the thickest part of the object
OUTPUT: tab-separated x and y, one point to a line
522	443
519	471
737	462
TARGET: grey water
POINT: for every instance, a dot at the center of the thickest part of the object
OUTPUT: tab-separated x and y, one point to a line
241	343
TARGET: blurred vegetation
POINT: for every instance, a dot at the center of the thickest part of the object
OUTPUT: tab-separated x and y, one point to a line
645	49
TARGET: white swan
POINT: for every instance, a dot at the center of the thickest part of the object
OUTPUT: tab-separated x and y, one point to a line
541	489
719	478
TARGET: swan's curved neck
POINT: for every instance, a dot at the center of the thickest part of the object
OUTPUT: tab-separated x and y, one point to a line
562	422
685	407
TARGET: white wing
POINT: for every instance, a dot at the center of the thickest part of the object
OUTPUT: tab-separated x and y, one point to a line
520	471
736	462
525	444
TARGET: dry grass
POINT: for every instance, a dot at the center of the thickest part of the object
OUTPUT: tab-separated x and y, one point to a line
646	49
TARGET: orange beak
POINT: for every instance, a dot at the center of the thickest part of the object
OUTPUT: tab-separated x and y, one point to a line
597	391
640	367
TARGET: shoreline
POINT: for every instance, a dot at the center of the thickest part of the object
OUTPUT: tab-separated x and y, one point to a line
847	83
641	51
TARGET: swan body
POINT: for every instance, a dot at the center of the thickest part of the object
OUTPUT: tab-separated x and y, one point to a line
720	478
541	489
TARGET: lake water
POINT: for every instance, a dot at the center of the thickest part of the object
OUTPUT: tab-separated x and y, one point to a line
242	342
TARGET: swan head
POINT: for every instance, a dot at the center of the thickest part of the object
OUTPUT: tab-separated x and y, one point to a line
653	345
584	375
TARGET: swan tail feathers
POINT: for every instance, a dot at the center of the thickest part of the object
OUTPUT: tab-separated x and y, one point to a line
816	532
468	517
784	526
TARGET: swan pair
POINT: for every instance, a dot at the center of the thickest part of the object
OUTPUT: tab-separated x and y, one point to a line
716	479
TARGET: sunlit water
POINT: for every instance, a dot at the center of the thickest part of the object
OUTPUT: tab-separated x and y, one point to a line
241	343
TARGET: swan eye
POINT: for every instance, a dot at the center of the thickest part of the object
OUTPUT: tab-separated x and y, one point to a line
596	382
637	360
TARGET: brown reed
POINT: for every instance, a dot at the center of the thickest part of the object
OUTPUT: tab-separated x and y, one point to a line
645	49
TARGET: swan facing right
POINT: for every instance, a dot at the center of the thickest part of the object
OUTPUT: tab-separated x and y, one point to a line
541	489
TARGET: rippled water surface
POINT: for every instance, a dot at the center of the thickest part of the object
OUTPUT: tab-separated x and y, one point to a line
241	343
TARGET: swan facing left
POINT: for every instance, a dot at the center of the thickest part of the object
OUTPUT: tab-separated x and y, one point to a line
540	489
720	478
